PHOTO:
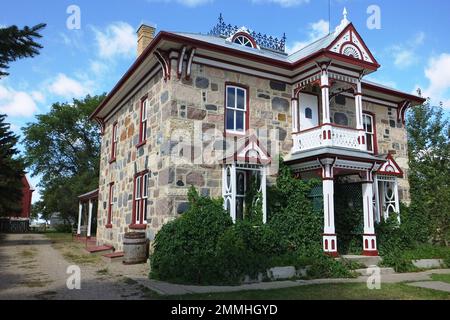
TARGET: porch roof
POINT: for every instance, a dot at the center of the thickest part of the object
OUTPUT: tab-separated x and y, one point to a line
336	153
89	195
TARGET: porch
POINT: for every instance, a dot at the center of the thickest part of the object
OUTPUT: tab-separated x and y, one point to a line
87	214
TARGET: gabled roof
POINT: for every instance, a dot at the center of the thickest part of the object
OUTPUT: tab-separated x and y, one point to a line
390	168
250	151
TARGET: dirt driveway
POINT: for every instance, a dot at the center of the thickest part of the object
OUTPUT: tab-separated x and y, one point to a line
31	268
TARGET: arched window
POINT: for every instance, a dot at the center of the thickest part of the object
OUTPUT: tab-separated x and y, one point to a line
308	113
244	41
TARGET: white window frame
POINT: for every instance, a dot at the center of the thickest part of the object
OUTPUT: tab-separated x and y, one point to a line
244	41
144	121
115	140
235	109
140	198
368	133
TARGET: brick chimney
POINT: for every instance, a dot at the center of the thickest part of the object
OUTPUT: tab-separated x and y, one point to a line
145	34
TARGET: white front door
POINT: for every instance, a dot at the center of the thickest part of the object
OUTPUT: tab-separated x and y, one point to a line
309	111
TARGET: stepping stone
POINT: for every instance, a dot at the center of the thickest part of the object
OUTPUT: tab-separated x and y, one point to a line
435	285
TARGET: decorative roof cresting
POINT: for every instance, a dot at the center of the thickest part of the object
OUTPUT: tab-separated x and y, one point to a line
223	30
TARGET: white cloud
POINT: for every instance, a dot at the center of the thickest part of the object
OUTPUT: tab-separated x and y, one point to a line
283	3
117	40
316	31
16	103
438	74
67	87
405	55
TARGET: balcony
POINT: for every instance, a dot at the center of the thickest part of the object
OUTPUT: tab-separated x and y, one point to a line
328	135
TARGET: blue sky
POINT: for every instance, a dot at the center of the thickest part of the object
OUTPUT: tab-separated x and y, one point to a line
412	45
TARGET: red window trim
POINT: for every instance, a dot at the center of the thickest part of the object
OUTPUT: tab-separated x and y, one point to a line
113	143
142	141
375	138
110	200
247	112
133	224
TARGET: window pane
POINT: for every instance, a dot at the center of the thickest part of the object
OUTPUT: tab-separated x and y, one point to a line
369	139
239	208
308	113
144	216
145	186
231	97
138	212
241	99
240	120
138	188
144	130
230	120
240	183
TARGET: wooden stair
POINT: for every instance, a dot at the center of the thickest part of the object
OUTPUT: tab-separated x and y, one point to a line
113	257
100	249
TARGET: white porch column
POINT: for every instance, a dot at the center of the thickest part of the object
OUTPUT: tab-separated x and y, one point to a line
325	87
397	200
294	107
359	117
264	193
80	212
369	237
89	219
329	234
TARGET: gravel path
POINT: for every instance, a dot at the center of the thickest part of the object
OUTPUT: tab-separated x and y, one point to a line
30	268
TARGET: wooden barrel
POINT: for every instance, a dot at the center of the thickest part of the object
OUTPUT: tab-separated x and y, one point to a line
134	248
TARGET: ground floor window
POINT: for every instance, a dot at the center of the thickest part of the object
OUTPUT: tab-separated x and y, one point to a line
386	199
244	186
140	198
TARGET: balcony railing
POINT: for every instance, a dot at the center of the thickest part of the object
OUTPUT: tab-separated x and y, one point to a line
327	136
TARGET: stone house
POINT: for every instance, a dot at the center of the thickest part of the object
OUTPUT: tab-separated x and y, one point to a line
216	110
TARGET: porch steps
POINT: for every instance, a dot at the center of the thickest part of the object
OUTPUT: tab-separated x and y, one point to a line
366	261
113	257
100	249
383	271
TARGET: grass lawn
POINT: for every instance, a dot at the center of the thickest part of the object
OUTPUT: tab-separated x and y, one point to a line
427	251
347	291
441	277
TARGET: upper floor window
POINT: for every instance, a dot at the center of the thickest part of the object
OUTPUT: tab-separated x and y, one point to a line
369	128
244	41
110	204
140	198
143	125
115	140
236	110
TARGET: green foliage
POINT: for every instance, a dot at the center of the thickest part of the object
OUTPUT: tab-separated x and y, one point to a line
203	246
63	228
18	43
185	249
63	147
11	171
291	215
429	173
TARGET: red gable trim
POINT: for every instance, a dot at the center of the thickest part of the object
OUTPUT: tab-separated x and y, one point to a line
391	163
246	159
352	28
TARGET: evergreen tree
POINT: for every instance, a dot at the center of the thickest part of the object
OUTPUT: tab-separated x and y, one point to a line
11	171
18	43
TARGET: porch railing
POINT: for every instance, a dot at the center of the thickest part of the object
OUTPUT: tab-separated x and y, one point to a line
326	136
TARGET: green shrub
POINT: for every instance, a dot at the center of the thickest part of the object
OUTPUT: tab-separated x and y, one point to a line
63	228
327	267
185	249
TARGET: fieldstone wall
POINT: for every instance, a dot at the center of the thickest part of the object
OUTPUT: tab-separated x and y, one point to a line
185	130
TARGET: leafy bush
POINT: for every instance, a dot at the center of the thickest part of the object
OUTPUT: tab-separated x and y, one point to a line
63	228
185	249
327	267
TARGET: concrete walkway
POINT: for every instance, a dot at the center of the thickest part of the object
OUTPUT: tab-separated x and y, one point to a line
165	288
